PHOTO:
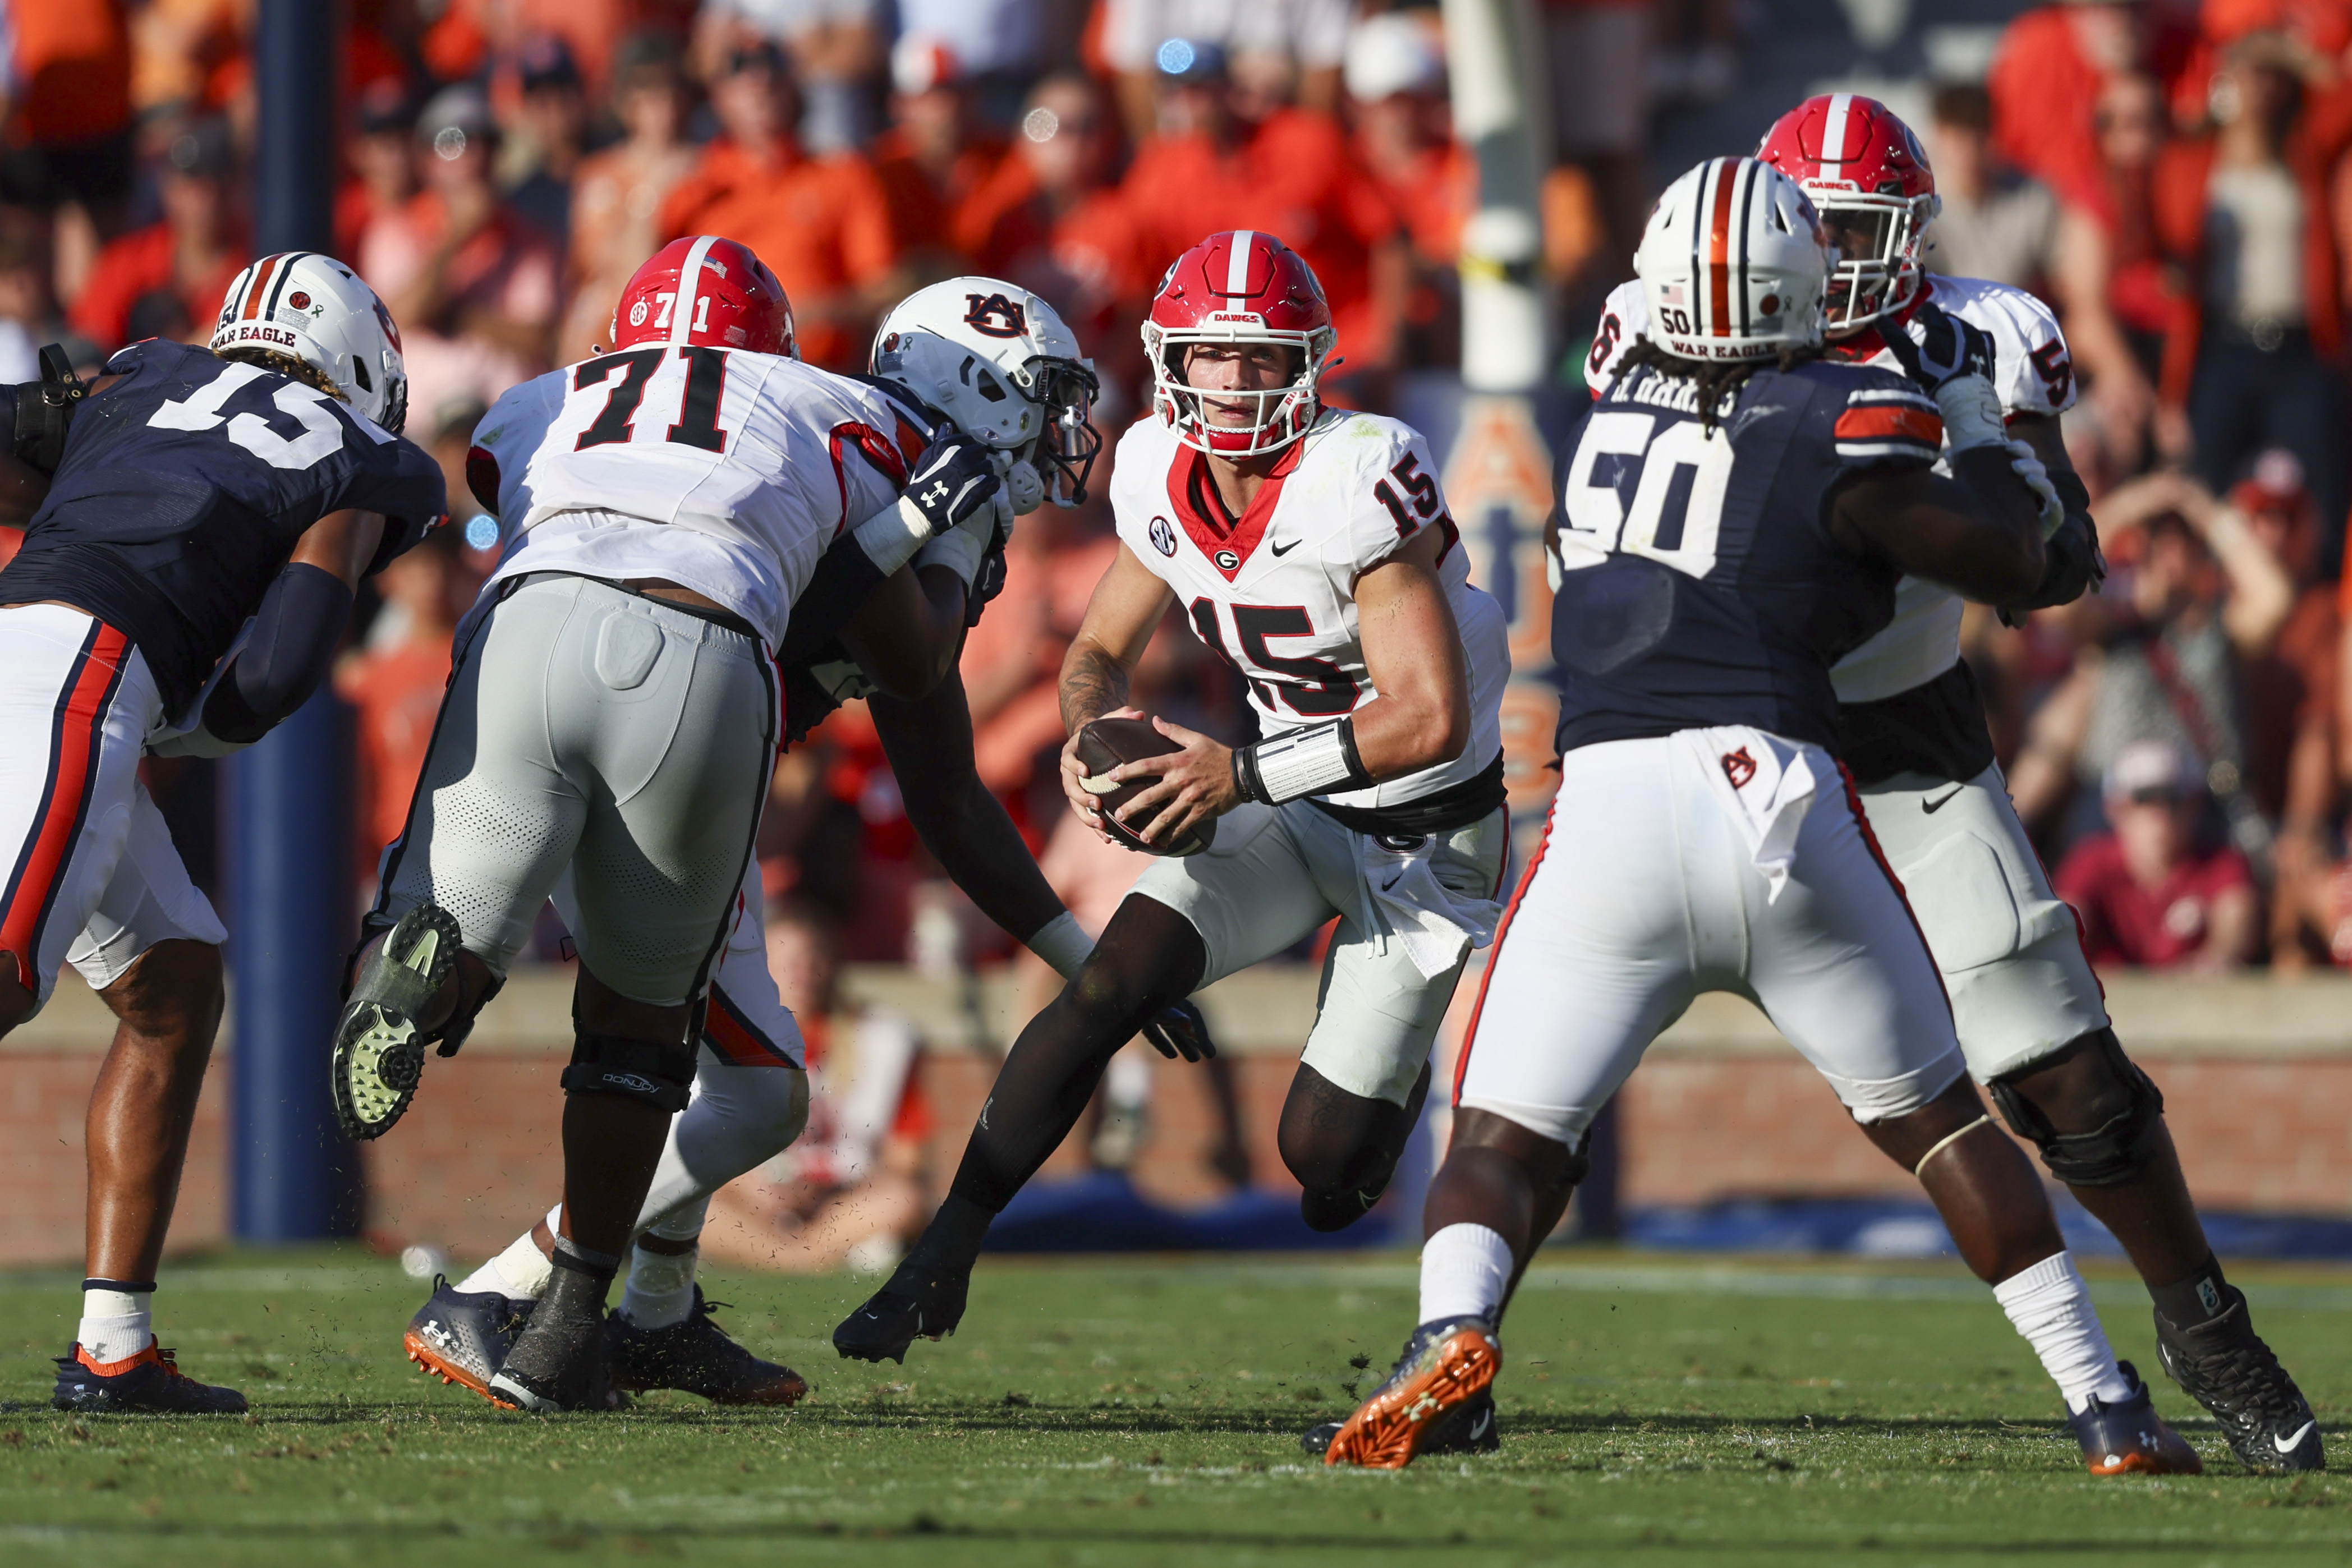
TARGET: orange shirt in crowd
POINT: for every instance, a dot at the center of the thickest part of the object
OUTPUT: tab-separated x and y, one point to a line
822	225
2044	86
138	265
397	691
1089	261
72	67
923	217
1292	176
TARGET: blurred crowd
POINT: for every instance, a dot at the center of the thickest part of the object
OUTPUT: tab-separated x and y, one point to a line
2172	177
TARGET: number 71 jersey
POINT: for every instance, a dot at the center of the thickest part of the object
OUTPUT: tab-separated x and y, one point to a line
728	471
1273	593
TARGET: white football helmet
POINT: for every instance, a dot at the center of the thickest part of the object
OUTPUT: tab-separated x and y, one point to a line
1001	364
310	308
1732	264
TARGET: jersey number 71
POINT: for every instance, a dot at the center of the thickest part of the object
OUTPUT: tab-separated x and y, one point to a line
627	373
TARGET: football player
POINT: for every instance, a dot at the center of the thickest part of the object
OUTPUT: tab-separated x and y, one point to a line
1309	548
183	588
1734	516
2031	1015
987	359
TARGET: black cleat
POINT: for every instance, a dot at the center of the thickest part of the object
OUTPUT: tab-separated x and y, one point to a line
463	1337
563	1360
379	1044
1470	1428
148	1384
2128	1437
696	1355
923	1300
2224	1365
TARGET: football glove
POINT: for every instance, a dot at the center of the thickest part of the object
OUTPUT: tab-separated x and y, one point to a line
955	480
1182	1032
1953	363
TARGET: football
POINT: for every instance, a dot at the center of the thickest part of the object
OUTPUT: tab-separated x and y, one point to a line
1105	743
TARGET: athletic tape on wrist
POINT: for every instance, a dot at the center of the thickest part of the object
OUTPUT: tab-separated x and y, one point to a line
1301	763
891	537
958	550
1062	942
1971	410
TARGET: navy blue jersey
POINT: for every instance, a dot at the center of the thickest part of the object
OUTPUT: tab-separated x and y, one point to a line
184	489
1700	585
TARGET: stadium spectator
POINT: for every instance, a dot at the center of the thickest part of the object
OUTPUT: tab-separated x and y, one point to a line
838	49
66	139
1996	223
2196	596
2053	62
1310	34
473	286
933	162
541	154
1285	171
2150	895
382	155
167	280
1395	76
186	55
2246	212
28	315
1599	56
617	193
1001	43
820	222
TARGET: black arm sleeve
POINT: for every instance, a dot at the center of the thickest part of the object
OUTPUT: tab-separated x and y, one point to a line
836	589
295	635
2074	566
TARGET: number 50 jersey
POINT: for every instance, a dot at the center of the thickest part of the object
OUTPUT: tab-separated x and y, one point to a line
1273	593
727	471
1699	585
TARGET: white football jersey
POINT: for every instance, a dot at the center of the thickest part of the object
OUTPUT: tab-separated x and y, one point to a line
1275	593
725	471
2033	373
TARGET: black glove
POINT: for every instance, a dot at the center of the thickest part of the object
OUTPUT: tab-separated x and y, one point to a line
1182	1032
2073	566
954	478
1935	346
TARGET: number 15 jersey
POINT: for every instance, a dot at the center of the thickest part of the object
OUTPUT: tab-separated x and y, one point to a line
726	471
1273	593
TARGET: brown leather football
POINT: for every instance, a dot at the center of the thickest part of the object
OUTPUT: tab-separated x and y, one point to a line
1105	743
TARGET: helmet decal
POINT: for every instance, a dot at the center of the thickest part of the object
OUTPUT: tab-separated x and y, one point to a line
994	315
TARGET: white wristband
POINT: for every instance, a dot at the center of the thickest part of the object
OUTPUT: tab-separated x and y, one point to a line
1062	942
961	548
1303	762
1971	411
891	537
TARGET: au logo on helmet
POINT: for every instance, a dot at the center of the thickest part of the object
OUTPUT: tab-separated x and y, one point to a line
994	315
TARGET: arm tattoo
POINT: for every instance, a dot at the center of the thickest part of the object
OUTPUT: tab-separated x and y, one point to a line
1093	683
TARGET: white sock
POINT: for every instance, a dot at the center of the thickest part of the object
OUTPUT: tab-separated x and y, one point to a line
1463	1268
520	1272
2051	1308
661	1290
116	1324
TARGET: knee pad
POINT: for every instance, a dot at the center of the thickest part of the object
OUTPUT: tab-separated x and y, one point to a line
656	1075
2129	1108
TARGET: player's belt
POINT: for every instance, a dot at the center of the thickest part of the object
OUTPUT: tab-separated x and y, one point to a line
1456	806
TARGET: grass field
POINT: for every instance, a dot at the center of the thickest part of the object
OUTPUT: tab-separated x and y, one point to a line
1142	1411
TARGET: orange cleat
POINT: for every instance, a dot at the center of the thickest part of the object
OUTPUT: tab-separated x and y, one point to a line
2128	1437
1445	1364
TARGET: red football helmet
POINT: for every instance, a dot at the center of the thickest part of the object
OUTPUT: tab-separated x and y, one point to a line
1240	287
704	289
1869	178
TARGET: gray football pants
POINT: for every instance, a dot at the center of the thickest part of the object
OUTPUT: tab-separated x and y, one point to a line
592	729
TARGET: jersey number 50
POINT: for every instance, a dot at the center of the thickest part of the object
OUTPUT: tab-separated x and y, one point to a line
1677	474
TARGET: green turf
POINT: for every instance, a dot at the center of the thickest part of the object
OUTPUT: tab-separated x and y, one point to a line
1140	1412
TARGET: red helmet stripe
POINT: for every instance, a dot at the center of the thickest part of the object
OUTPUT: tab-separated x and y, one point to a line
689	284
254	290
1237	264
1718	269
1833	129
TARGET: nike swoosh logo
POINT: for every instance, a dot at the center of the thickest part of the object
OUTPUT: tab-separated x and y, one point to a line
1281	549
1391	882
1940	801
1478	1430
2289	1445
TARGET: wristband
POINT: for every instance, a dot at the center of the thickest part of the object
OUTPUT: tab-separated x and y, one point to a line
1062	942
1971	410
1301	763
891	537
963	548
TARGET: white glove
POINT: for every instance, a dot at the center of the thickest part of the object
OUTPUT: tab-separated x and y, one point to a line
2028	467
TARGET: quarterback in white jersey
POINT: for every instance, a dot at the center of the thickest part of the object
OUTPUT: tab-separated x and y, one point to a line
612	721
1311	548
2031	1016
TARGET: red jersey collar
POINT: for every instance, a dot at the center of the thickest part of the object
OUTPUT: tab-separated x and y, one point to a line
1227	543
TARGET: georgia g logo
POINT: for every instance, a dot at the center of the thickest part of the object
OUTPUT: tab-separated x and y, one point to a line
1163	537
994	315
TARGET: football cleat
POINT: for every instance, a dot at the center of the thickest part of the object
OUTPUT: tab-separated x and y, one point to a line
379	1044
2224	1365
148	1384
463	1336
563	1360
2128	1437
1446	1364
924	1298
696	1355
1470	1428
